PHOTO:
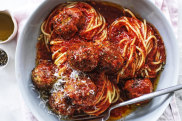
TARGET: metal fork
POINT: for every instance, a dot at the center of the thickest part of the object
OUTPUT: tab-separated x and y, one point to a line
105	116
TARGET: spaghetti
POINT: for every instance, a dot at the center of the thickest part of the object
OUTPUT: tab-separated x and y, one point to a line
140	47
98	60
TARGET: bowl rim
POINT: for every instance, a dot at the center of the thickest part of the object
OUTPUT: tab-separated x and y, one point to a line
33	110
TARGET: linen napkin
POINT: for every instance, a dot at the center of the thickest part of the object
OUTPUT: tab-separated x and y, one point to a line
168	7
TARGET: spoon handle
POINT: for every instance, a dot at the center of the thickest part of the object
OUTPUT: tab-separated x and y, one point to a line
149	96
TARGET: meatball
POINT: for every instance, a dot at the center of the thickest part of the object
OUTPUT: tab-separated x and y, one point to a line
111	60
61	104
138	87
68	21
83	57
82	91
43	74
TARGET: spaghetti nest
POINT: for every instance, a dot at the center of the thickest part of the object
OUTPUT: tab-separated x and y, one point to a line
67	25
141	47
92	57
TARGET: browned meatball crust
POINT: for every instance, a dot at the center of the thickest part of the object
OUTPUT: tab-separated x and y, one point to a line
68	21
82	91
111	60
138	87
61	104
83	57
43	74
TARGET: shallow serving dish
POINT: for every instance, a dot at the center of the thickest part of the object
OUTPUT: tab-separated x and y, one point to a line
26	54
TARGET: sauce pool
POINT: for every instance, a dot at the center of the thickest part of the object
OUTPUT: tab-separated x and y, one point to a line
110	12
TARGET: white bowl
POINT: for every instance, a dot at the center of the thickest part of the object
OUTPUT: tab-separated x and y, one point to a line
15	26
26	53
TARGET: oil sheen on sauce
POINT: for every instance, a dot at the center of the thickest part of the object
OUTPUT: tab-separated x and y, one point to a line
110	12
6	26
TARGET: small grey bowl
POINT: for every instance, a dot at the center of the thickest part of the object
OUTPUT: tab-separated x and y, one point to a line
26	54
3	66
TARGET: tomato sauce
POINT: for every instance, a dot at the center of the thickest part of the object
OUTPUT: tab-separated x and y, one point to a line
110	12
42	52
